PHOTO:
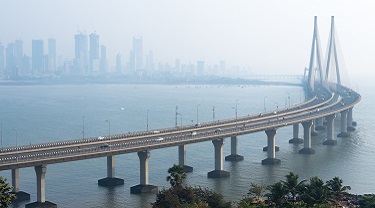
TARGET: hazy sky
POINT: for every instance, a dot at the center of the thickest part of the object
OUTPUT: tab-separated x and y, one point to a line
270	36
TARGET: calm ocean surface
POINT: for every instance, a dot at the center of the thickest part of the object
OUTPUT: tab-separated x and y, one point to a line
42	113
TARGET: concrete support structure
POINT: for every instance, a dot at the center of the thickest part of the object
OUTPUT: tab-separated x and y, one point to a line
313	132
319	124
307	138
143	187
350	120
296	139
21	196
41	189
271	153
110	180
218	172
344	121
330	130
234	156
182	158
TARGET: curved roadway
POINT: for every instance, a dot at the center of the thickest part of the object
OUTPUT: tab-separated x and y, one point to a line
322	104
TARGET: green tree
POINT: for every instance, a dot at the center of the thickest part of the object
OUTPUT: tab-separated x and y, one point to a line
367	201
316	193
177	175
337	190
5	196
292	185
256	190
277	193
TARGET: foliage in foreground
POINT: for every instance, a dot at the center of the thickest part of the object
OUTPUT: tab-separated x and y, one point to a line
5	196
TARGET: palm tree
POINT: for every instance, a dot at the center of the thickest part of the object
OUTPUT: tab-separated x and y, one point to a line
5	196
177	175
316	192
277	193
292	185
256	190
336	188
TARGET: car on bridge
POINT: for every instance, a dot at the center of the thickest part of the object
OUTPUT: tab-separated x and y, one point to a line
159	139
104	146
193	133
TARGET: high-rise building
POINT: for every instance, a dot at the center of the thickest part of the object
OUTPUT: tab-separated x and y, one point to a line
200	67
2	60
136	57
51	55
118	63
150	66
81	53
103	59
37	57
10	59
94	52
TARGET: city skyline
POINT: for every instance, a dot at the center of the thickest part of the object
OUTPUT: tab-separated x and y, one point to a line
271	37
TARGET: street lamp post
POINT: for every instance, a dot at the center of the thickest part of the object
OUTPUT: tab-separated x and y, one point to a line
83	127
235	110
1	134
176	116
264	104
277	110
289	98
147	118
198	113
213	113
109	128
14	129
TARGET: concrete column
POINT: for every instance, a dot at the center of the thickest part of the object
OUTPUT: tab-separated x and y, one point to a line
143	168
218	172
21	195
182	158
143	187
296	139
319	124
350	120
307	138
233	151
330	130
110	180
344	121
271	152
41	189
16	180
312	131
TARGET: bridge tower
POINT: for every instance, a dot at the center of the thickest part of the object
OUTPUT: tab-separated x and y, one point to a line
332	51
315	58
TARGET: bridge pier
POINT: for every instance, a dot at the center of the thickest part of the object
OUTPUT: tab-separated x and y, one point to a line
271	152
330	130
143	187
312	130
319	124
21	195
344	121
218	172
41	189
110	180
182	158
350	120
234	156
307	138
296	139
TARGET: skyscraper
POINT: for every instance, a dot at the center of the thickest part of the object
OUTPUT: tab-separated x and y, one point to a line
118	63
51	55
2	60
103	59
37	57
136	56
94	52
81	53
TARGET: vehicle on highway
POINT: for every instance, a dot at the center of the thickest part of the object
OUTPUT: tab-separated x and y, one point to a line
105	145
159	139
100	137
156	132
198	125
193	133
218	130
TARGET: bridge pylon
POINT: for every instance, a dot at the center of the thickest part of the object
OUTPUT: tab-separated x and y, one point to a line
332	55
315	66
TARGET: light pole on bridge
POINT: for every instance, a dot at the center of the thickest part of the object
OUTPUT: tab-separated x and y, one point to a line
1	134
235	110
264	104
277	110
176	116
213	113
109	128
198	113
83	127
14	129
147	119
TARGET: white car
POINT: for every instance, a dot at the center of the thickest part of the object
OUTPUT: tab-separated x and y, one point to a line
159	139
100	138
193	133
